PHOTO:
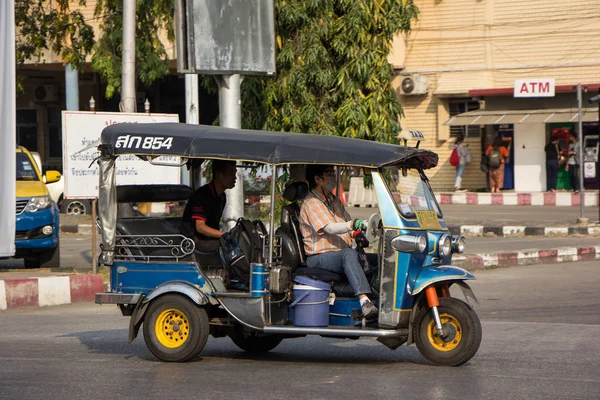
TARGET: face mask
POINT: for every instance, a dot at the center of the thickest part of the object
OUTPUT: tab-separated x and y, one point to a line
330	184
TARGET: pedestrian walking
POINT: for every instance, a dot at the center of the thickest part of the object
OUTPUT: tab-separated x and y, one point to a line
496	156
552	153
461	156
573	163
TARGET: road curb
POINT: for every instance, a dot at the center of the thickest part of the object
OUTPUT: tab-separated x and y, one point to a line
49	291
80	228
520	230
474	262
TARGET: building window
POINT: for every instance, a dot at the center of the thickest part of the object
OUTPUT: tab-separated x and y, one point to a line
27	129
460	106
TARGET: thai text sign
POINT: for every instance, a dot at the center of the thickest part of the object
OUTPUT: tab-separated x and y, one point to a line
537	87
80	172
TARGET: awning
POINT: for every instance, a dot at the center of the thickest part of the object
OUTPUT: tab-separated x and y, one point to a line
544	116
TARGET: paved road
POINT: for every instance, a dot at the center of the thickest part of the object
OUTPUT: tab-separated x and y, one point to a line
541	326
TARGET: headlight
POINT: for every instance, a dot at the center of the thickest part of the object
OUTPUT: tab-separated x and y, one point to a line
458	244
38	203
445	245
409	243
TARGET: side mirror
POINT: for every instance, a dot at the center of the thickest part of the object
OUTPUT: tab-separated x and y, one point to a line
52	176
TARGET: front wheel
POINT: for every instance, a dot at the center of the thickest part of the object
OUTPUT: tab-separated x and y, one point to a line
175	329
254	343
461	326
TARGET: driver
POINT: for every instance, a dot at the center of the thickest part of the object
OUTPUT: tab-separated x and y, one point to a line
327	230
203	211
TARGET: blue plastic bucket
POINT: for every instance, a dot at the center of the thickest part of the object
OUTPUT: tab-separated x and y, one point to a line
311	304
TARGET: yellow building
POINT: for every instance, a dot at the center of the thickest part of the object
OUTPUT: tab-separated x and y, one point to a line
465	55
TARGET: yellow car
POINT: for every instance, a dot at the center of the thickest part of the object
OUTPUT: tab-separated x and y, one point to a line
36	238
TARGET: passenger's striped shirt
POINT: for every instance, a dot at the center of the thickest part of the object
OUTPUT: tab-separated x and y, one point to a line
315	214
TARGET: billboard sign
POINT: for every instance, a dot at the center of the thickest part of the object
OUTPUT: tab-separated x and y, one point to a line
80	172
225	37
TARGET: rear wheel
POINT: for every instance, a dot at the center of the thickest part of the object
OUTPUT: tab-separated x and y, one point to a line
175	329
461	326
252	342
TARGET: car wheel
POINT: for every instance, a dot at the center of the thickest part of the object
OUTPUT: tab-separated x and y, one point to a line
75	207
46	259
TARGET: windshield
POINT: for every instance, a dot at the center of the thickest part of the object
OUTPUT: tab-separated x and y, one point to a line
410	193
25	170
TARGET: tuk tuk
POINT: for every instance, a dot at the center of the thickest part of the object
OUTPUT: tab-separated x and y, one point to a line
157	280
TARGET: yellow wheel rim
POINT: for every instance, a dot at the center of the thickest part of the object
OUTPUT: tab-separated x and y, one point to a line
449	323
172	328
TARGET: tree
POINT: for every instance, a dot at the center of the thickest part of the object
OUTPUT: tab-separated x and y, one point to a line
333	76
59	26
152	18
52	25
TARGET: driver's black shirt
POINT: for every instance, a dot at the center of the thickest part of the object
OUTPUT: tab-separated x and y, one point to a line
205	205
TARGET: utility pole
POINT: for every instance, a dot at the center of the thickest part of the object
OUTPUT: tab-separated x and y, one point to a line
230	116
72	88
128	58
582	219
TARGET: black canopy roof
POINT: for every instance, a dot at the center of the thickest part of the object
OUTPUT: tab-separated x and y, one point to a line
203	141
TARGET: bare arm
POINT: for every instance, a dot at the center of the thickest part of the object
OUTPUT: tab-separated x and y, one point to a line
206	230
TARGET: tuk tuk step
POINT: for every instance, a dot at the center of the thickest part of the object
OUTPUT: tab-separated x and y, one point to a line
335	331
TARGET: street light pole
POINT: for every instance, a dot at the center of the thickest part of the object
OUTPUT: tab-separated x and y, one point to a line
128	58
230	116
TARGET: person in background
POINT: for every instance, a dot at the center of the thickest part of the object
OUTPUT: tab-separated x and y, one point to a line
327	231
552	153
465	158
573	163
496	155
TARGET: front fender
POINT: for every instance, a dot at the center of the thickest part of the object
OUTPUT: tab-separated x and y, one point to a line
185	288
429	275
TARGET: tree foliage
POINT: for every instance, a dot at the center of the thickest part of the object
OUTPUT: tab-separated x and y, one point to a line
59	26
152	18
333	76
52	25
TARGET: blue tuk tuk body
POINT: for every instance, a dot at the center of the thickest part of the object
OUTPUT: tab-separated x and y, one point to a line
156	279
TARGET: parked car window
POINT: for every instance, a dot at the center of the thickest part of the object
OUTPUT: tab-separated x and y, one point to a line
25	169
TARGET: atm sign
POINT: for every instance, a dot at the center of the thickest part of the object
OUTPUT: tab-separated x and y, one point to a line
543	87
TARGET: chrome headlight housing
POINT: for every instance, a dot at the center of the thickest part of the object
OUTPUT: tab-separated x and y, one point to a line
410	243
445	245
38	203
458	244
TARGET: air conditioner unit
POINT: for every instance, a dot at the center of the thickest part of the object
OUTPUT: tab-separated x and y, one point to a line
413	85
46	93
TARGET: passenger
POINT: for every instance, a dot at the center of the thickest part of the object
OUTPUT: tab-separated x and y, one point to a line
203	211
327	233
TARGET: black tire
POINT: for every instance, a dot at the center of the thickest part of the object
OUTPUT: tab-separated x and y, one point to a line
252	342
463	323
46	259
75	207
175	344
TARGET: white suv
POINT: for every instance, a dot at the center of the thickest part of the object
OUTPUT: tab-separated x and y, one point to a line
56	190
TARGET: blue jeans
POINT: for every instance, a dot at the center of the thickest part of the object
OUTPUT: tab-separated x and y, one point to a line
345	261
551	174
459	173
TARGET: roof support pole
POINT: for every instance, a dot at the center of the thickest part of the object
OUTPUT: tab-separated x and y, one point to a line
230	116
